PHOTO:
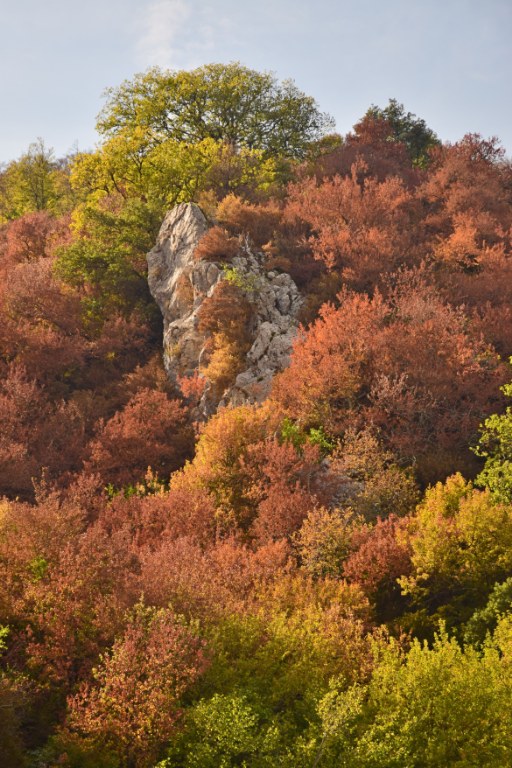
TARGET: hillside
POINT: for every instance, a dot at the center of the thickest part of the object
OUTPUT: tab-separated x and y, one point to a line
255	452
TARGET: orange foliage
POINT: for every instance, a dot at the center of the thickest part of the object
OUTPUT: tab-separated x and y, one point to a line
379	559
33	236
75	607
219	464
282	484
370	143
151	430
411	366
172	514
133	706
213	582
35	435
216	245
241	217
361	227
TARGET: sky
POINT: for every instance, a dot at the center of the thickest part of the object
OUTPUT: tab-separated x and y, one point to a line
448	61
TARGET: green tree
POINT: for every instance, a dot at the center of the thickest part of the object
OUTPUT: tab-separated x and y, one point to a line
406	128
485	620
440	706
106	259
37	181
461	544
225	102
225	731
495	446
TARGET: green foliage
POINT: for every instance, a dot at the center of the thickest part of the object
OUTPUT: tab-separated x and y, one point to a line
34	182
224	102
484	621
225	731
38	567
437	707
461	544
246	282
169	172
292	433
106	260
495	446
407	129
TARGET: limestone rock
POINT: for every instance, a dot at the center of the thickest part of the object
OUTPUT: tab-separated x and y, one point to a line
179	285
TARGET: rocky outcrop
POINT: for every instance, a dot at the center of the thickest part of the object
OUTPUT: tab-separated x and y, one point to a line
180	284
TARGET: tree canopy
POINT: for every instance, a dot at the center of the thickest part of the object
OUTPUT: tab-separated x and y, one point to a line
225	102
406	128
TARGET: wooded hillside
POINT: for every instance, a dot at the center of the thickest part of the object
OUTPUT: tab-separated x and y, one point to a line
320	579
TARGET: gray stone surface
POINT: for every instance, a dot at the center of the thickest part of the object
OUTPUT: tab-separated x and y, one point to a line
179	285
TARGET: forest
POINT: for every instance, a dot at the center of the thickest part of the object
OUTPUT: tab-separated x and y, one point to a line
318	580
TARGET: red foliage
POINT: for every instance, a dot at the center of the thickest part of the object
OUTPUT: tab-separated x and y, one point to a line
209	583
281	483
192	387
360	226
411	366
134	704
370	143
34	236
35	434
75	608
241	217
151	431
216	245
179	512
379	559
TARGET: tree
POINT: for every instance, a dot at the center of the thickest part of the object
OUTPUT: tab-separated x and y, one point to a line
226	730
411	365
436	707
495	446
225	102
151	430
133	707
37	181
405	128
106	258
360	226
461	545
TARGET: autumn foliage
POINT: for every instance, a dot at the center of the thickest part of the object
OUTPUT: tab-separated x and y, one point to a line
318	579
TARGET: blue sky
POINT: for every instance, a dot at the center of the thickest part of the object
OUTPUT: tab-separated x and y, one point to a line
448	61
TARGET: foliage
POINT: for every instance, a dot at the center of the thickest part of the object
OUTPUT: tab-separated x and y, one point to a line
216	245
484	621
392	363
495	445
461	544
34	182
324	540
405	128
228	103
151	431
133	705
270	554
106	258
441	706
224	731
259	222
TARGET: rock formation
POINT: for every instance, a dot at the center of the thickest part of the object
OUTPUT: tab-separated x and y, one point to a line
179	284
